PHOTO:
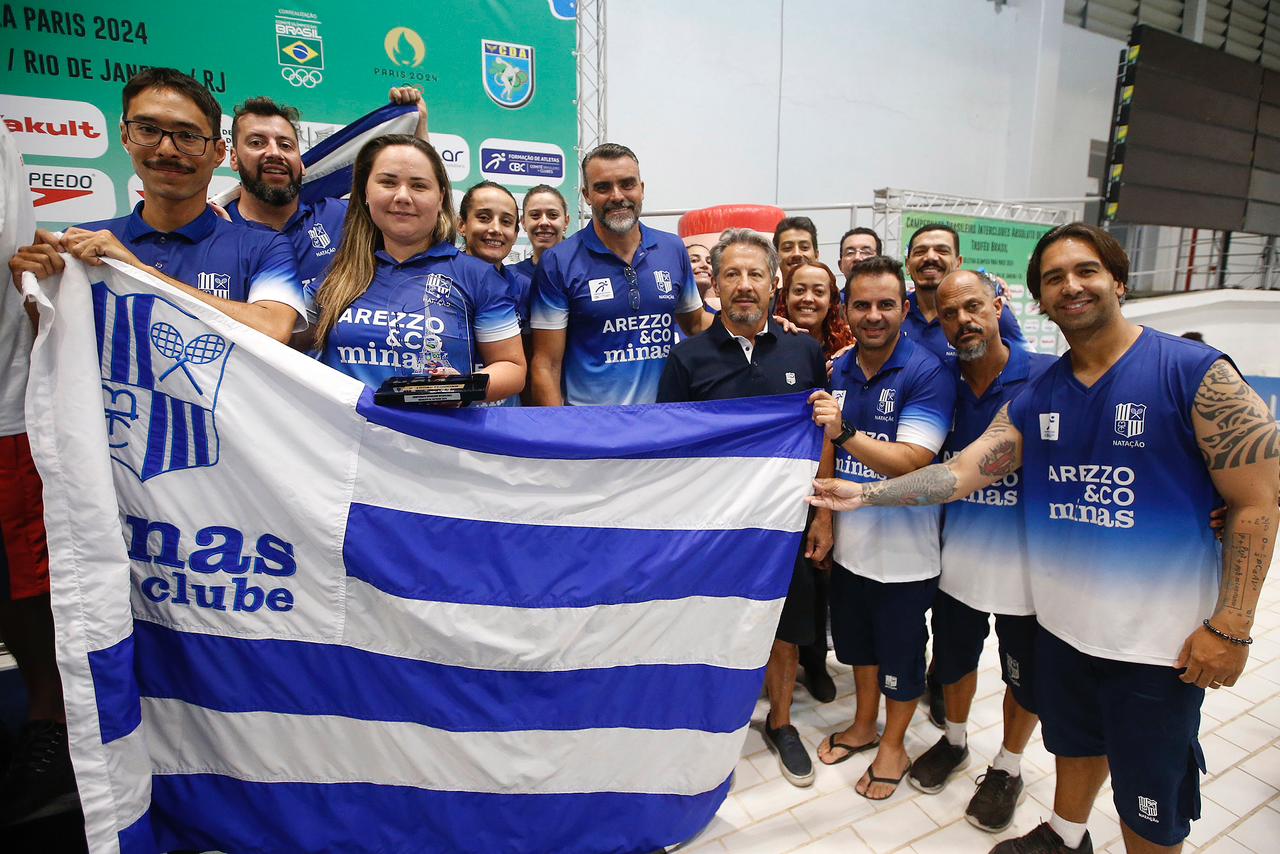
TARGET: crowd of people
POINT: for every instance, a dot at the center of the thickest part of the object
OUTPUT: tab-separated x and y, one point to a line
1082	485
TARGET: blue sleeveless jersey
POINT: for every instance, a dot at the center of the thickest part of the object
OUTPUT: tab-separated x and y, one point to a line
910	399
984	543
1124	565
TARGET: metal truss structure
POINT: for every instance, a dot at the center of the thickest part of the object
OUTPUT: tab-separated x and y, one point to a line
886	212
592	82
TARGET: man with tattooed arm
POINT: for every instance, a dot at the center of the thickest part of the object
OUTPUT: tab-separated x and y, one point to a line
1125	444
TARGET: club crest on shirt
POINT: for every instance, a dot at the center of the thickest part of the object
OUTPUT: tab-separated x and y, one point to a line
1148	808
436	289
218	284
663	280
319	237
887	396
1130	419
791	377
600	289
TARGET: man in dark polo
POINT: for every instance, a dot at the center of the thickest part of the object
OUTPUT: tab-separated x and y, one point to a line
743	354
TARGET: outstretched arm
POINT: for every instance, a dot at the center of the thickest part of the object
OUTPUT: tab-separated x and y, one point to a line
993	455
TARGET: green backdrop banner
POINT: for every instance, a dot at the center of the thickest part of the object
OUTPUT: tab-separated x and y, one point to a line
1002	247
499	77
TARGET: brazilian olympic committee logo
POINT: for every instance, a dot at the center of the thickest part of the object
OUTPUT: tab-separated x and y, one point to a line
161	373
299	50
507	70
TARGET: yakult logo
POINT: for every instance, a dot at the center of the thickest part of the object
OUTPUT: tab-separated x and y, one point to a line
56	127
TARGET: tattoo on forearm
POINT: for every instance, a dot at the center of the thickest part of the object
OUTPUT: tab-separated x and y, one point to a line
1232	595
1001	460
930	485
1246	557
1243	430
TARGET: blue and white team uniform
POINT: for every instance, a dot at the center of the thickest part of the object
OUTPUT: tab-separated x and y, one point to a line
618	317
887	557
930	334
431	310
985	564
225	259
519	278
314	231
1124	568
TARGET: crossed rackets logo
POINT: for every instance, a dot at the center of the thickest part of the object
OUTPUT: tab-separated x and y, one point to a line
198	351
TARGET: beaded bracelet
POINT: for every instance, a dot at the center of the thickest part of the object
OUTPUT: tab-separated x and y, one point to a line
1226	637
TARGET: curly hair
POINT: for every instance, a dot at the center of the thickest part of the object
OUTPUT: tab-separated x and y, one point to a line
835	329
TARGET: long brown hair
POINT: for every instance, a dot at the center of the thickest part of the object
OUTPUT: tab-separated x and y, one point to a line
835	329
351	272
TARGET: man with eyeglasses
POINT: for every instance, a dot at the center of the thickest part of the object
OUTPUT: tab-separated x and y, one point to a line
603	300
857	244
171	130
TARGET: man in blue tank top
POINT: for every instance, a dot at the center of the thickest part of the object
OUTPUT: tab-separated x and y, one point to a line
1125	443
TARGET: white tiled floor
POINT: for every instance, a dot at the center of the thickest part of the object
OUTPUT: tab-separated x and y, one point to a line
1240	731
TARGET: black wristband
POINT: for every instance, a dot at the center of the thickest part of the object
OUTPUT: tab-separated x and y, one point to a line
1226	637
845	435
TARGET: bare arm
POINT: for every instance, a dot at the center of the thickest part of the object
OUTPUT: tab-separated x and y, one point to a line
695	322
504	363
821	528
548	362
891	459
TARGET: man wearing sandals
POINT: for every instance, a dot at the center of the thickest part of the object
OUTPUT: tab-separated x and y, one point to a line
984	560
891	404
1125	444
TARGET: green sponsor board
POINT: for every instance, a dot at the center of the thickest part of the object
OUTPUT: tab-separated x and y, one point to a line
499	78
1002	248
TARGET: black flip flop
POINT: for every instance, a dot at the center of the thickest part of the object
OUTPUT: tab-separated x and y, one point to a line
833	745
872	779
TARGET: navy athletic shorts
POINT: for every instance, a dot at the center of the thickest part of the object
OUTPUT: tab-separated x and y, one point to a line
958	634
883	624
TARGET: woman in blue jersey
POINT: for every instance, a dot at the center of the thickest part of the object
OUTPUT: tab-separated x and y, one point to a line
400	298
546	220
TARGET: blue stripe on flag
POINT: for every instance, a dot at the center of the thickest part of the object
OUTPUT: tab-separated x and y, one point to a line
200	435
548	566
99	293
139	837
115	689
778	426
300	678
209	811
321	183
178	456
120	340
157	435
142	339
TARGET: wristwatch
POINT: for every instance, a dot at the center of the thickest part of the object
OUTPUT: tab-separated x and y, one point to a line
846	434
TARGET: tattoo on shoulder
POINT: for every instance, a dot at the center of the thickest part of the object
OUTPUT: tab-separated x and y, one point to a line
930	485
1242	430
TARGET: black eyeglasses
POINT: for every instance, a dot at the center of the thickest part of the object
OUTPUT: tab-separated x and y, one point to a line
147	134
633	286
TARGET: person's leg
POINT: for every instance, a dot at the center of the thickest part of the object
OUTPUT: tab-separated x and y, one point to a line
891	761
795	626
958	634
813	656
1135	844
851	606
1080	778
780	682
26	627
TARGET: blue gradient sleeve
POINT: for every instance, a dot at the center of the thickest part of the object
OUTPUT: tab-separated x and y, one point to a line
276	280
548	302
496	318
929	408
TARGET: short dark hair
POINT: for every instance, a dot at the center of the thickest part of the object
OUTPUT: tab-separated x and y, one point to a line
877	265
465	205
607	151
798	223
546	188
862	229
174	80
264	106
1109	250
935	226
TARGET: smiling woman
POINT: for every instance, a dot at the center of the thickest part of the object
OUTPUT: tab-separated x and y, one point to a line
810	300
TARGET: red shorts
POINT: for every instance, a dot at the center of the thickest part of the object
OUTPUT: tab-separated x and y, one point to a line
24	553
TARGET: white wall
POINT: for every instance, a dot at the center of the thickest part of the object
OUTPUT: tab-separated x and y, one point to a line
810	101
1242	324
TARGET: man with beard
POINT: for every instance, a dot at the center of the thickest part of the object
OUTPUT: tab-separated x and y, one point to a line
170	129
932	252
985	565
266	155
604	300
743	355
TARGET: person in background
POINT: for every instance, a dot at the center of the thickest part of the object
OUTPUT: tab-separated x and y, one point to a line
700	258
795	238
487	223
858	244
545	219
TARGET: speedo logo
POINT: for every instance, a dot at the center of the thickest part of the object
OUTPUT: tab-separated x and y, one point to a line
55	127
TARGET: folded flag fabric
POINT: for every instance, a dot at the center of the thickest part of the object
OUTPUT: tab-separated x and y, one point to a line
329	163
292	620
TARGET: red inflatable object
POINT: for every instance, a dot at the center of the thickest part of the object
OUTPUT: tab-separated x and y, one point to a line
713	220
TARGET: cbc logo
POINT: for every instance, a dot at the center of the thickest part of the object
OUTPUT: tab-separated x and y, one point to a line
305	77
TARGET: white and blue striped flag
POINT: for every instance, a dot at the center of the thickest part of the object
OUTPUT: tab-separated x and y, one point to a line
291	620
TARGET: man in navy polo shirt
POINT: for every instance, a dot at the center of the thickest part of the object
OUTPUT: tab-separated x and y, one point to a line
170	129
932	252
743	355
888	412
266	155
985	564
602	302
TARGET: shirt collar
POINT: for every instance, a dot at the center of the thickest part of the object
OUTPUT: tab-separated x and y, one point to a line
721	335
648	239
897	359
193	232
914	314
233	211
443	249
1018	367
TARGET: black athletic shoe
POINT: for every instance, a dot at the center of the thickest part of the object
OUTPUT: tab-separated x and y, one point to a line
1042	840
991	807
817	679
934	701
793	756
937	765
39	780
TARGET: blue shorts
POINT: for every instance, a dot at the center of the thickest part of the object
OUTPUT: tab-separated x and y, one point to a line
1142	717
958	634
882	623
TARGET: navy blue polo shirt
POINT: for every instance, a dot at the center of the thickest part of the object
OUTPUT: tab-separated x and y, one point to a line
930	334
427	311
910	399
618	317
225	259
314	231
713	366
